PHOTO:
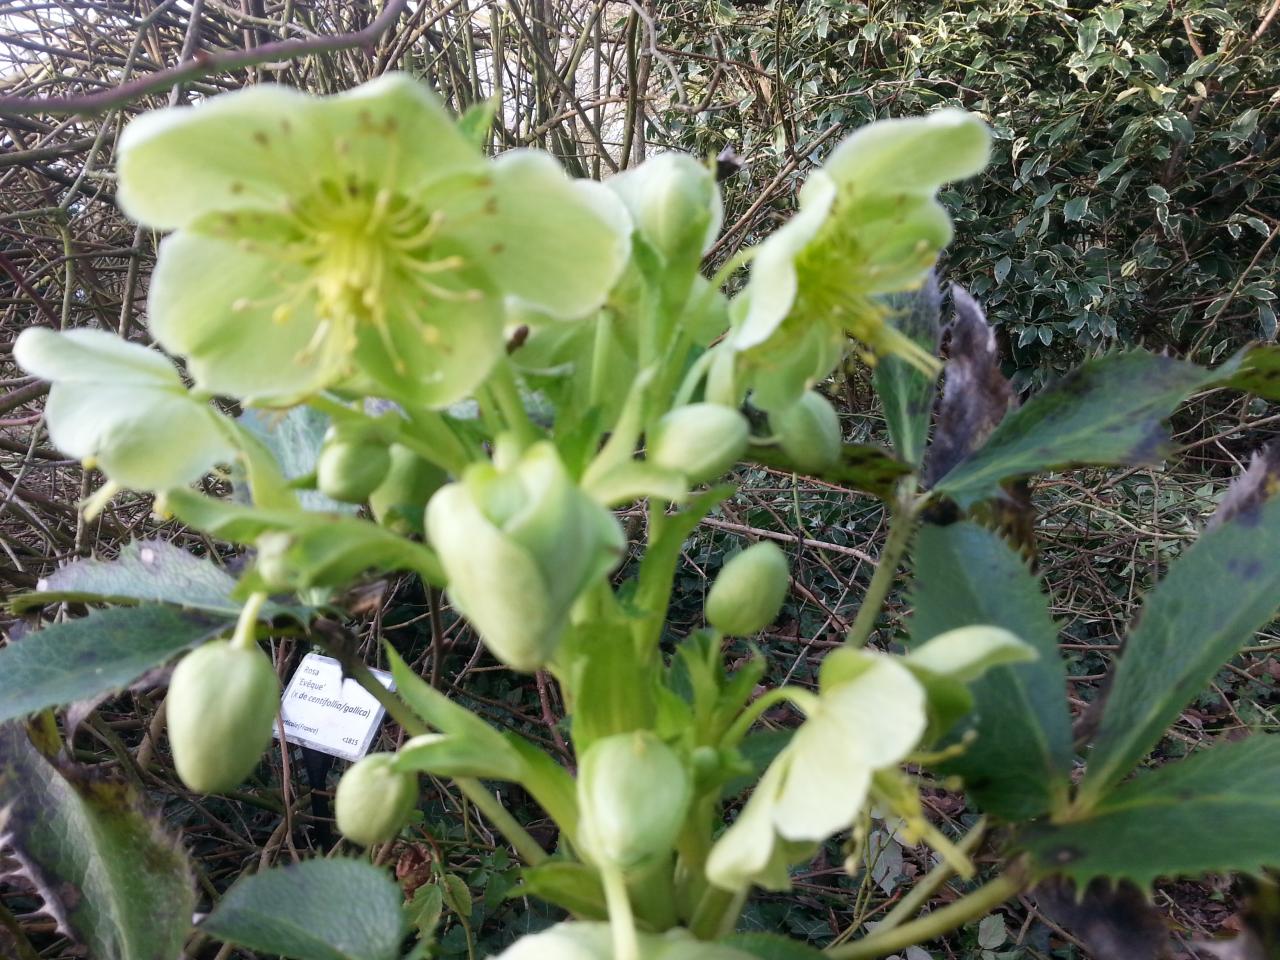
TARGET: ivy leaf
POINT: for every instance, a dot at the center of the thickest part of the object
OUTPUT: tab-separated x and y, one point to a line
109	874
907	394
1107	411
314	910
1018	765
1213	812
1211	601
101	653
975	395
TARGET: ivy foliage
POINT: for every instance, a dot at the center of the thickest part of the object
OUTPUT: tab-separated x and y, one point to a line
1132	196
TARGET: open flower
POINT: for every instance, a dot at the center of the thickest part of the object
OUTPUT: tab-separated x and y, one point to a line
868	223
869	714
124	408
354	238
519	542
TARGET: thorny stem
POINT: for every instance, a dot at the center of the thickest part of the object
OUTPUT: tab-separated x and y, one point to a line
902	523
977	904
489	805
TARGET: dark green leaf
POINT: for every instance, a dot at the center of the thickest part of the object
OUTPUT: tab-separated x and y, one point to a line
1213	812
153	570
1108	411
1258	372
1210	603
769	946
314	910
1017	768
907	394
101	653
108	872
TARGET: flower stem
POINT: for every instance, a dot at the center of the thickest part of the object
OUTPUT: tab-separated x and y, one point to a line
977	904
489	805
245	636
902	523
621	920
506	393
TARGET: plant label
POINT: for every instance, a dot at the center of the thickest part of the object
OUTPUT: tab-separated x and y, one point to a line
325	712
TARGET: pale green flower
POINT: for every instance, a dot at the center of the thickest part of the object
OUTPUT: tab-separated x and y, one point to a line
869	714
868	223
520	542
357	240
593	941
124	408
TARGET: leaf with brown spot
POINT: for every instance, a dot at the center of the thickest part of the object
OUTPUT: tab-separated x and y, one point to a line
109	874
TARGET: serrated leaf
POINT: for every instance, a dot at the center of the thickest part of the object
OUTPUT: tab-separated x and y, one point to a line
148	570
108	872
1107	411
1207	606
314	910
1214	812
101	653
769	946
975	393
456	895
1018	766
906	393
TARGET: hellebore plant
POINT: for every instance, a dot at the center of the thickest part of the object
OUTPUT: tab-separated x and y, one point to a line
497	357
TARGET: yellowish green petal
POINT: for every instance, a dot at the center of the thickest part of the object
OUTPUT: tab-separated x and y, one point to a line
125	408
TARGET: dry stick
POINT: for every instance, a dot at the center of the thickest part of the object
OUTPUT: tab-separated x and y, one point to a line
200	66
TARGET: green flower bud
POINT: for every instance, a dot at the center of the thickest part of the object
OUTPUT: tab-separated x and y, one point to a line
633	792
675	204
702	440
520	542
349	470
749	591
399	500
809	432
221	705
373	800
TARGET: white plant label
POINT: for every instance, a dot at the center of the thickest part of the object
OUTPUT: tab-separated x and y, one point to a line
323	711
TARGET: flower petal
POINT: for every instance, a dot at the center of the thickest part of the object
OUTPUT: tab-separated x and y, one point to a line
744	853
393	132
144	438
212	301
881	709
556	245
244	150
826	783
966	653
772	287
912	154
125	407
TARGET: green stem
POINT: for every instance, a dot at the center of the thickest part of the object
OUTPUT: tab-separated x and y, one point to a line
621	921
485	802
245	636
902	523
753	711
709	916
977	904
506	393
